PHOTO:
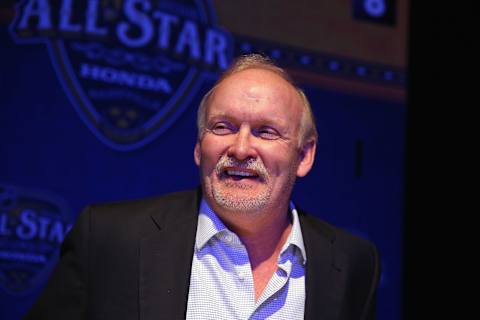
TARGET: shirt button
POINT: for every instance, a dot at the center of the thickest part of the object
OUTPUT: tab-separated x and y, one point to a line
241	276
228	238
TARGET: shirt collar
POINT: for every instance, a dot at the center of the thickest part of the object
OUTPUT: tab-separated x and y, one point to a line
209	225
295	237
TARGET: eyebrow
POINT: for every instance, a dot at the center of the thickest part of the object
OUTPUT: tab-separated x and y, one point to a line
283	129
262	121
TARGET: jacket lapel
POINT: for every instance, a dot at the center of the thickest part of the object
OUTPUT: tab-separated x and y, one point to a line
166	259
325	280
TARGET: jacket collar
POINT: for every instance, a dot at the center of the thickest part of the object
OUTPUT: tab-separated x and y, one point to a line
166	254
166	258
324	276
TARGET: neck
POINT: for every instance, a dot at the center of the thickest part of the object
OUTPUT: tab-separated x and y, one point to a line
263	234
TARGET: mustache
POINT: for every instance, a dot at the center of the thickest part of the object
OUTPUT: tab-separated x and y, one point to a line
255	165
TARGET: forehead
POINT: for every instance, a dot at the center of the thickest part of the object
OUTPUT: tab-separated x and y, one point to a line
255	94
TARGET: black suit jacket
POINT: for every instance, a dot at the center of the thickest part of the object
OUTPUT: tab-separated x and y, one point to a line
132	260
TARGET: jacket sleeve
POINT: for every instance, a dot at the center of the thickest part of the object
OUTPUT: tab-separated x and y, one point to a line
370	305
66	292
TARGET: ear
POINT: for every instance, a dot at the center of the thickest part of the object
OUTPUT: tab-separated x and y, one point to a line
307	156
196	153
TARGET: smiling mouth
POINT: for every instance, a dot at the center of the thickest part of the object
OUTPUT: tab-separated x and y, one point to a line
237	174
233	170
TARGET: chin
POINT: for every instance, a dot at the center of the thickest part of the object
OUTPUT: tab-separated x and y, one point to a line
241	200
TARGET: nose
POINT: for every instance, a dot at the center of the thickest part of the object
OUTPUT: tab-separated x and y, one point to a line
242	147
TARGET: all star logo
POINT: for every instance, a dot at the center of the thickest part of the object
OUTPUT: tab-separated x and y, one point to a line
33	224
130	67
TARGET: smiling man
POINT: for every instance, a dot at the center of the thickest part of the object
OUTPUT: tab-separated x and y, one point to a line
237	248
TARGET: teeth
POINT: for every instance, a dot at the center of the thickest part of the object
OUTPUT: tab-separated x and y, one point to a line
240	173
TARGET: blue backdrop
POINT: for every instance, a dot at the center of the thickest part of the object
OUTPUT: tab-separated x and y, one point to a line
52	165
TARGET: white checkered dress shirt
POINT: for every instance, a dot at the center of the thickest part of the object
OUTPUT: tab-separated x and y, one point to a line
221	285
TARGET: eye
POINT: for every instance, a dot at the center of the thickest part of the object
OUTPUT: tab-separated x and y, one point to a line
222	128
267	133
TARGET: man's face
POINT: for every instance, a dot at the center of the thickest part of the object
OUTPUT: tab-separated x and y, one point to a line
248	155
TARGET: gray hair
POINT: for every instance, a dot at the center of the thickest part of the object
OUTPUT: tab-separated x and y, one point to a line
308	128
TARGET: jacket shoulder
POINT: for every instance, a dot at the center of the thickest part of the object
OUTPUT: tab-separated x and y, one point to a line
135	218
340	238
352	256
147	205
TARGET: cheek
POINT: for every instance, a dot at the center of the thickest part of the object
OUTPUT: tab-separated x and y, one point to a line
279	160
210	152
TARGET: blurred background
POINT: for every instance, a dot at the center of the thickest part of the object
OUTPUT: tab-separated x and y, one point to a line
98	103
